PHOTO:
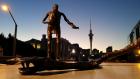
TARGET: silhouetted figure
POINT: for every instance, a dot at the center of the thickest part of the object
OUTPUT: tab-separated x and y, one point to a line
53	20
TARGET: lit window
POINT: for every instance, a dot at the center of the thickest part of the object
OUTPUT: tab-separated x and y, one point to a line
38	46
33	45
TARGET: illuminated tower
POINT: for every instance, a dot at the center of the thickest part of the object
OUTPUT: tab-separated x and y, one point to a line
90	38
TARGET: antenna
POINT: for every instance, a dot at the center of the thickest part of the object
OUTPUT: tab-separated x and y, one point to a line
90	24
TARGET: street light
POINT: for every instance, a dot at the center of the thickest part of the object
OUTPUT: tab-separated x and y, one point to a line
6	9
83	55
73	51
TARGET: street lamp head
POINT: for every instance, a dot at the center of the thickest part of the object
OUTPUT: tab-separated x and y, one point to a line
73	51
83	55
5	7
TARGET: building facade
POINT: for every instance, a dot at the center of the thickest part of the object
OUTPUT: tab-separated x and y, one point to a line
109	49
66	47
35	43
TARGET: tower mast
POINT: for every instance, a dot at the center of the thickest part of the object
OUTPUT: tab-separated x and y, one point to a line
90	37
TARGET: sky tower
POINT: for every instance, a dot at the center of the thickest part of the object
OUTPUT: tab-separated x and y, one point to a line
90	37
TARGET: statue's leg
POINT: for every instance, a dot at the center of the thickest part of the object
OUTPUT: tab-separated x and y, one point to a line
58	51
23	64
27	64
49	42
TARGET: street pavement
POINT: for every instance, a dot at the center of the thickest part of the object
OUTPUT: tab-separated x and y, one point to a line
106	71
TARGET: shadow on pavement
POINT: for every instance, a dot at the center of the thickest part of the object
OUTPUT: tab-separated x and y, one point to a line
55	72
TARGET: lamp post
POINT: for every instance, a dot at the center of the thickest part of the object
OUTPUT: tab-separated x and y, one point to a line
6	9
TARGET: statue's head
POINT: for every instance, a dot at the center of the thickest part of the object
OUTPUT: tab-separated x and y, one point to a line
55	7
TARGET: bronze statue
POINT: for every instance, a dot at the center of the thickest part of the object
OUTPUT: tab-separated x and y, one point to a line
53	20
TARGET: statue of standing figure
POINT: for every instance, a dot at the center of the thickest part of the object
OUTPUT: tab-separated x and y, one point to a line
53	18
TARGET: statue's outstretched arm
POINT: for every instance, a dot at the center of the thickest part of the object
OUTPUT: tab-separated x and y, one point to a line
65	18
70	23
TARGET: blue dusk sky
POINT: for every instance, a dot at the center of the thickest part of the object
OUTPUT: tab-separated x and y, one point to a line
111	20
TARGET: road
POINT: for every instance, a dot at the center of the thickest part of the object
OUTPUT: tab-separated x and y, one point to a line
107	71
